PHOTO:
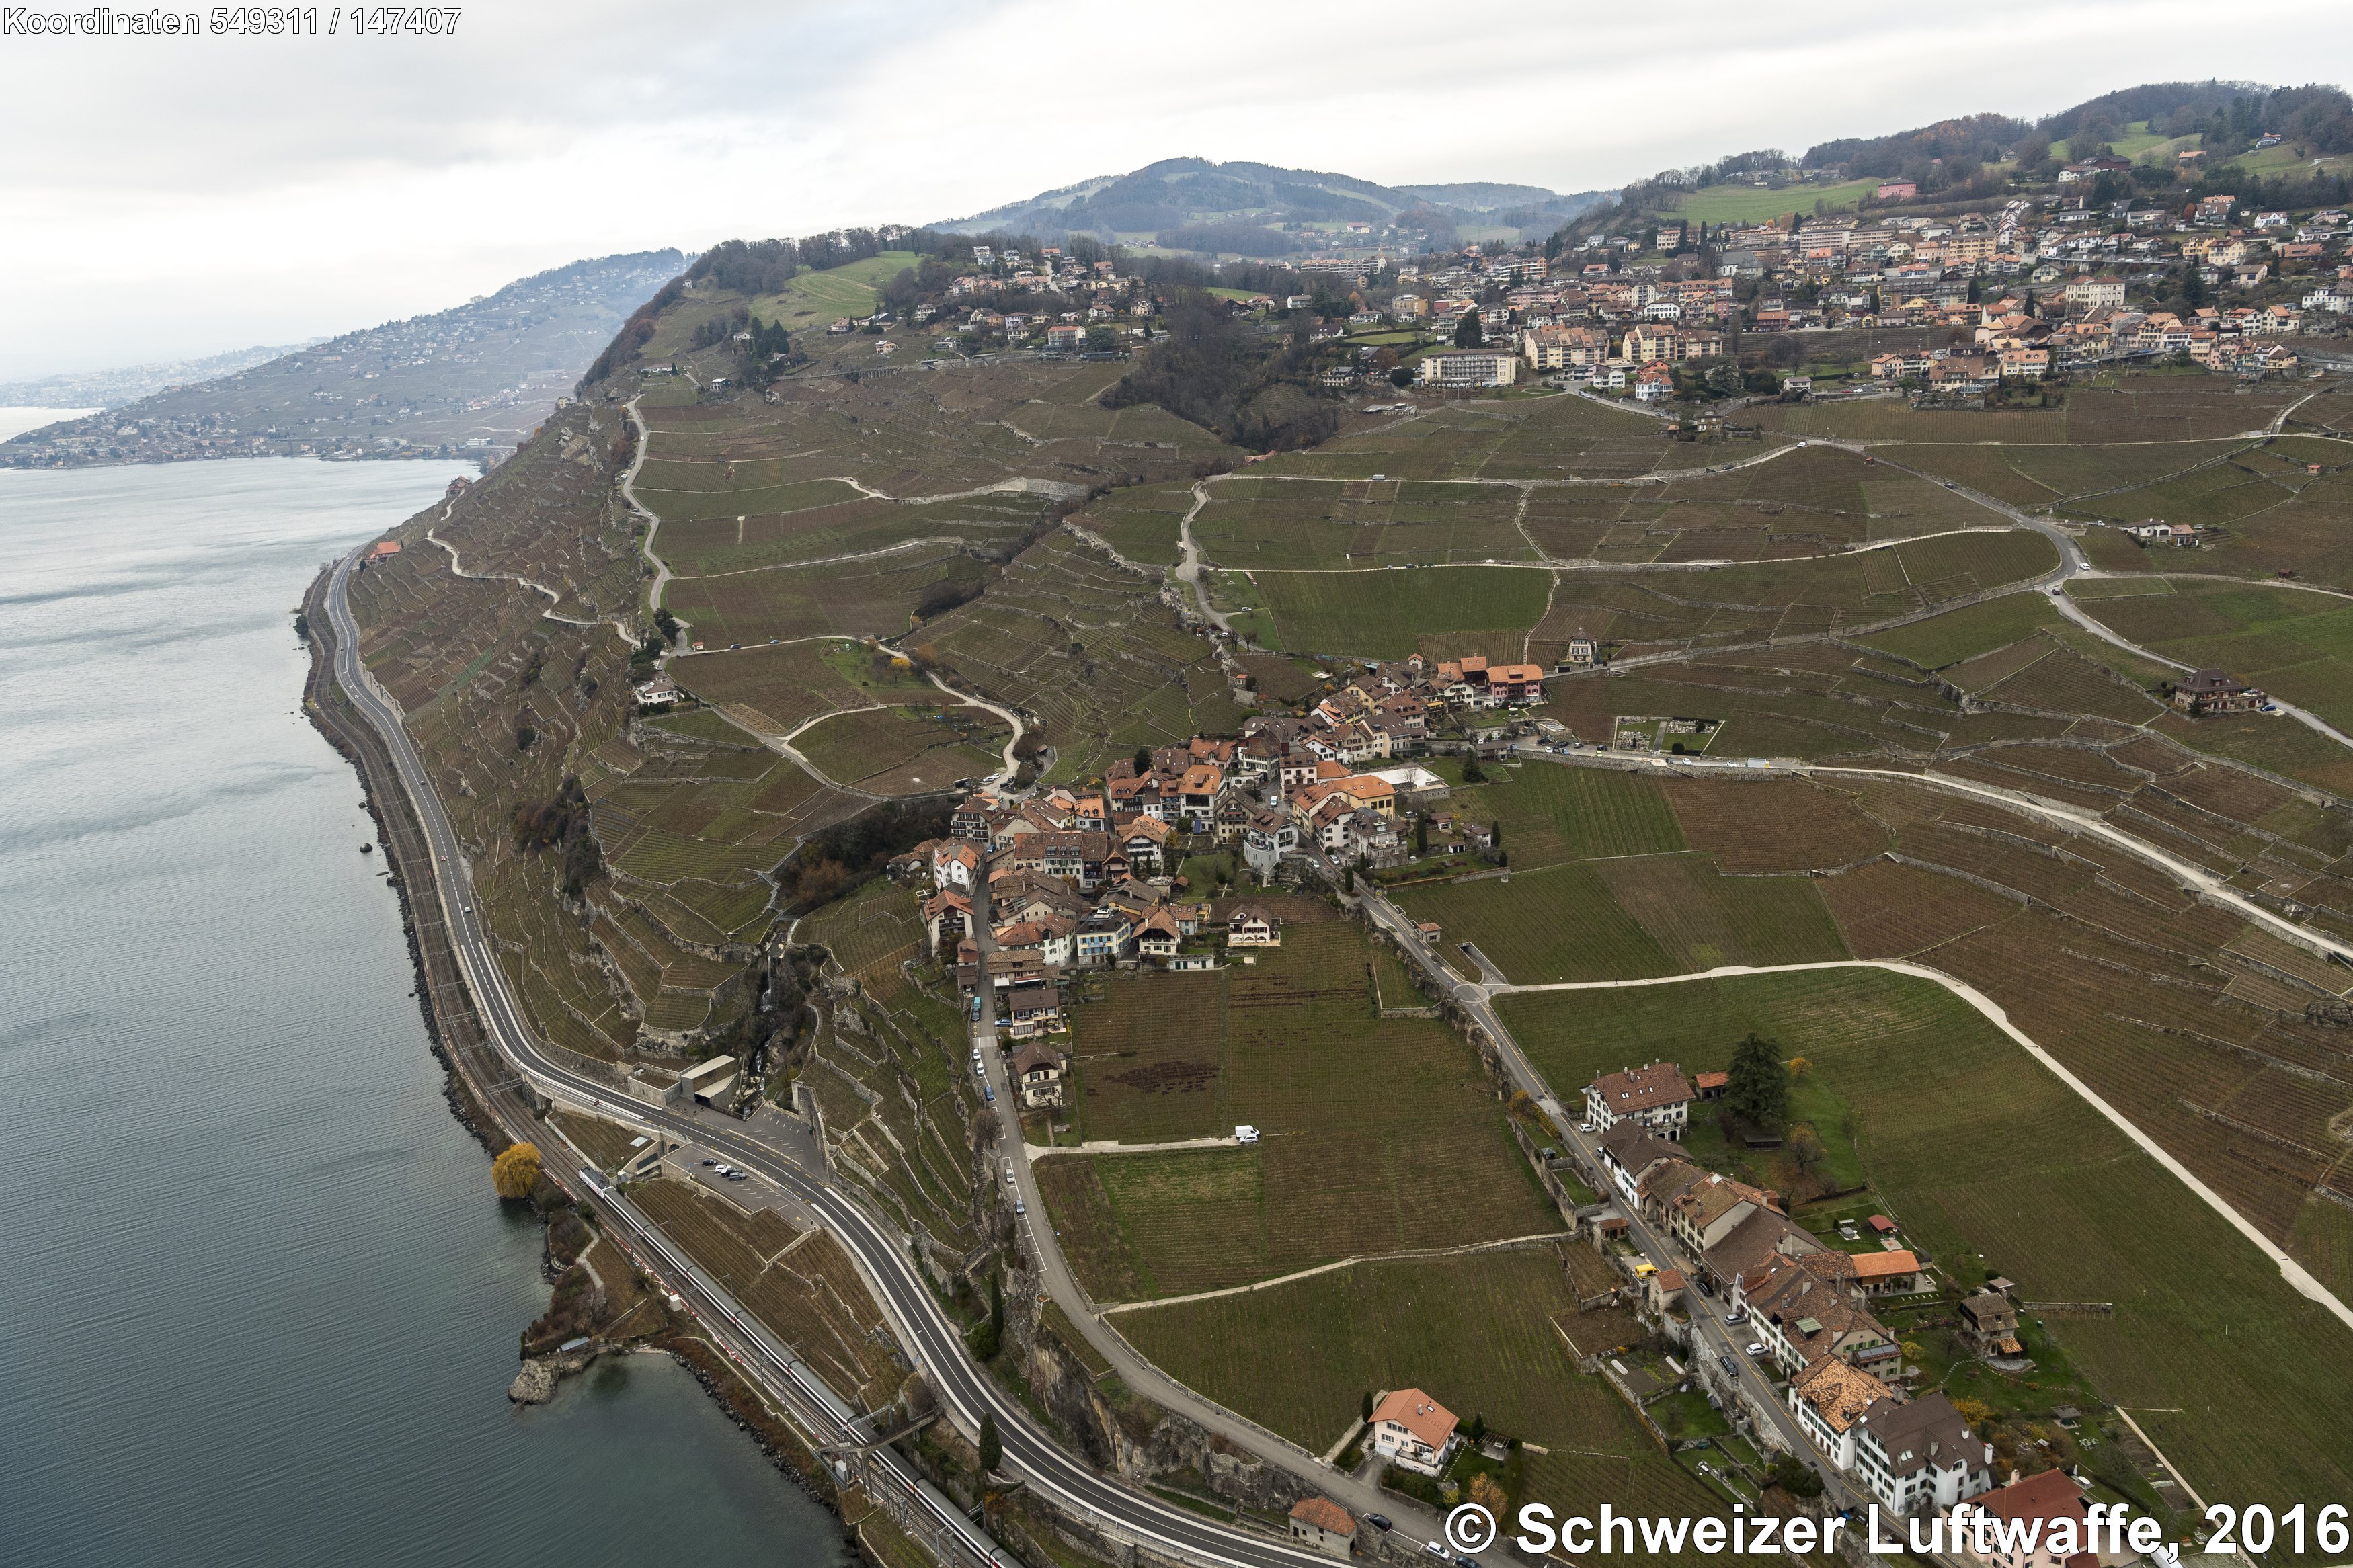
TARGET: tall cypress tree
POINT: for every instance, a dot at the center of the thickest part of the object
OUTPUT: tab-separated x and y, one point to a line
1757	1089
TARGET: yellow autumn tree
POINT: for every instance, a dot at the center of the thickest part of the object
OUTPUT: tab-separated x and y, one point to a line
1488	1495
516	1171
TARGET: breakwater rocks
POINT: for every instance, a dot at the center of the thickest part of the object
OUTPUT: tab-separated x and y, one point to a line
537	1382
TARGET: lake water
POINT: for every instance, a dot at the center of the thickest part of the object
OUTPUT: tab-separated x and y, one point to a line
260	1306
15	418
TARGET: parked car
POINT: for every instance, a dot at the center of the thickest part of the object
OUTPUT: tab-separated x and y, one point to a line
1435	1549
1379	1522
1019	1208
1757	1347
1245	1133
1009	1173
988	1091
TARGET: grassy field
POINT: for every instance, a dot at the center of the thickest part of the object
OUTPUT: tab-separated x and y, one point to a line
905	749
1341	524
1746	204
1550	814
816	299
2089	1217
2297	644
1375	1132
1965	633
1388	614
1512	438
1660	914
1299	1356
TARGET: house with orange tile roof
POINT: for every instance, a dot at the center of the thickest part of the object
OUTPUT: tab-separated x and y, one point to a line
1324	1524
1896	1272
1828	1398
1413	1431
2021	1519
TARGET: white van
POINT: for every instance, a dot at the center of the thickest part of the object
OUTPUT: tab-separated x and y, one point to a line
1245	1133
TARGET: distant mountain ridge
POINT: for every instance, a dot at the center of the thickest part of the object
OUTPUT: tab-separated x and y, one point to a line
1196	199
127	383
476	378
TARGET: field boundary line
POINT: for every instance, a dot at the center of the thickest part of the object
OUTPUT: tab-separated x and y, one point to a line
1508	1244
2298	1277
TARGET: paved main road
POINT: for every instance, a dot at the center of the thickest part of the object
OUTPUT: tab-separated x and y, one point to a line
924	1330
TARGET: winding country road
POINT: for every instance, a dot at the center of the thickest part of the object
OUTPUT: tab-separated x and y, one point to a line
966	1390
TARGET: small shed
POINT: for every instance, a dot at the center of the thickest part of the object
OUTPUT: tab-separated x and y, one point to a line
1323	1525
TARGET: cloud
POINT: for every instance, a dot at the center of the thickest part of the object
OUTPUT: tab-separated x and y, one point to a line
177	196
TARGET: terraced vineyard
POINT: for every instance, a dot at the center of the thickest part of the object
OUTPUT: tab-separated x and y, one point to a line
885	1069
1092	650
800	1284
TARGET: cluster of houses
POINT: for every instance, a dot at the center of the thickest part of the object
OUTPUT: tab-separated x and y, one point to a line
1809	1304
2061	269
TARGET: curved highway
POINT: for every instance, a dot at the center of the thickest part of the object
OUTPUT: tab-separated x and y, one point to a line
926	1331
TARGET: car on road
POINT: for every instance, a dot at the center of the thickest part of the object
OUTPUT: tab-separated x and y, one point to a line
988	1091
1435	1549
1245	1133
1009	1173
1949	485
1757	1347
1731	1367
1019	1208
1466	1562
711	1162
738	1176
1379	1522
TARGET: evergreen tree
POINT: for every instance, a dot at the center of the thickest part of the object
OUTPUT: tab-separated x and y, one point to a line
1758	1088
992	1446
1468	334
1142	760
1368	1404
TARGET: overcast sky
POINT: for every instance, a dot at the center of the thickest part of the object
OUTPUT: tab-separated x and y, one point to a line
169	198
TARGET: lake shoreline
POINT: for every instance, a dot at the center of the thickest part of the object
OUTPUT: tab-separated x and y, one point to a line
470	1102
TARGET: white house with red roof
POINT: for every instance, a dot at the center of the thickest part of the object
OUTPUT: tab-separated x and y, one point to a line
1413	1431
1657	1098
